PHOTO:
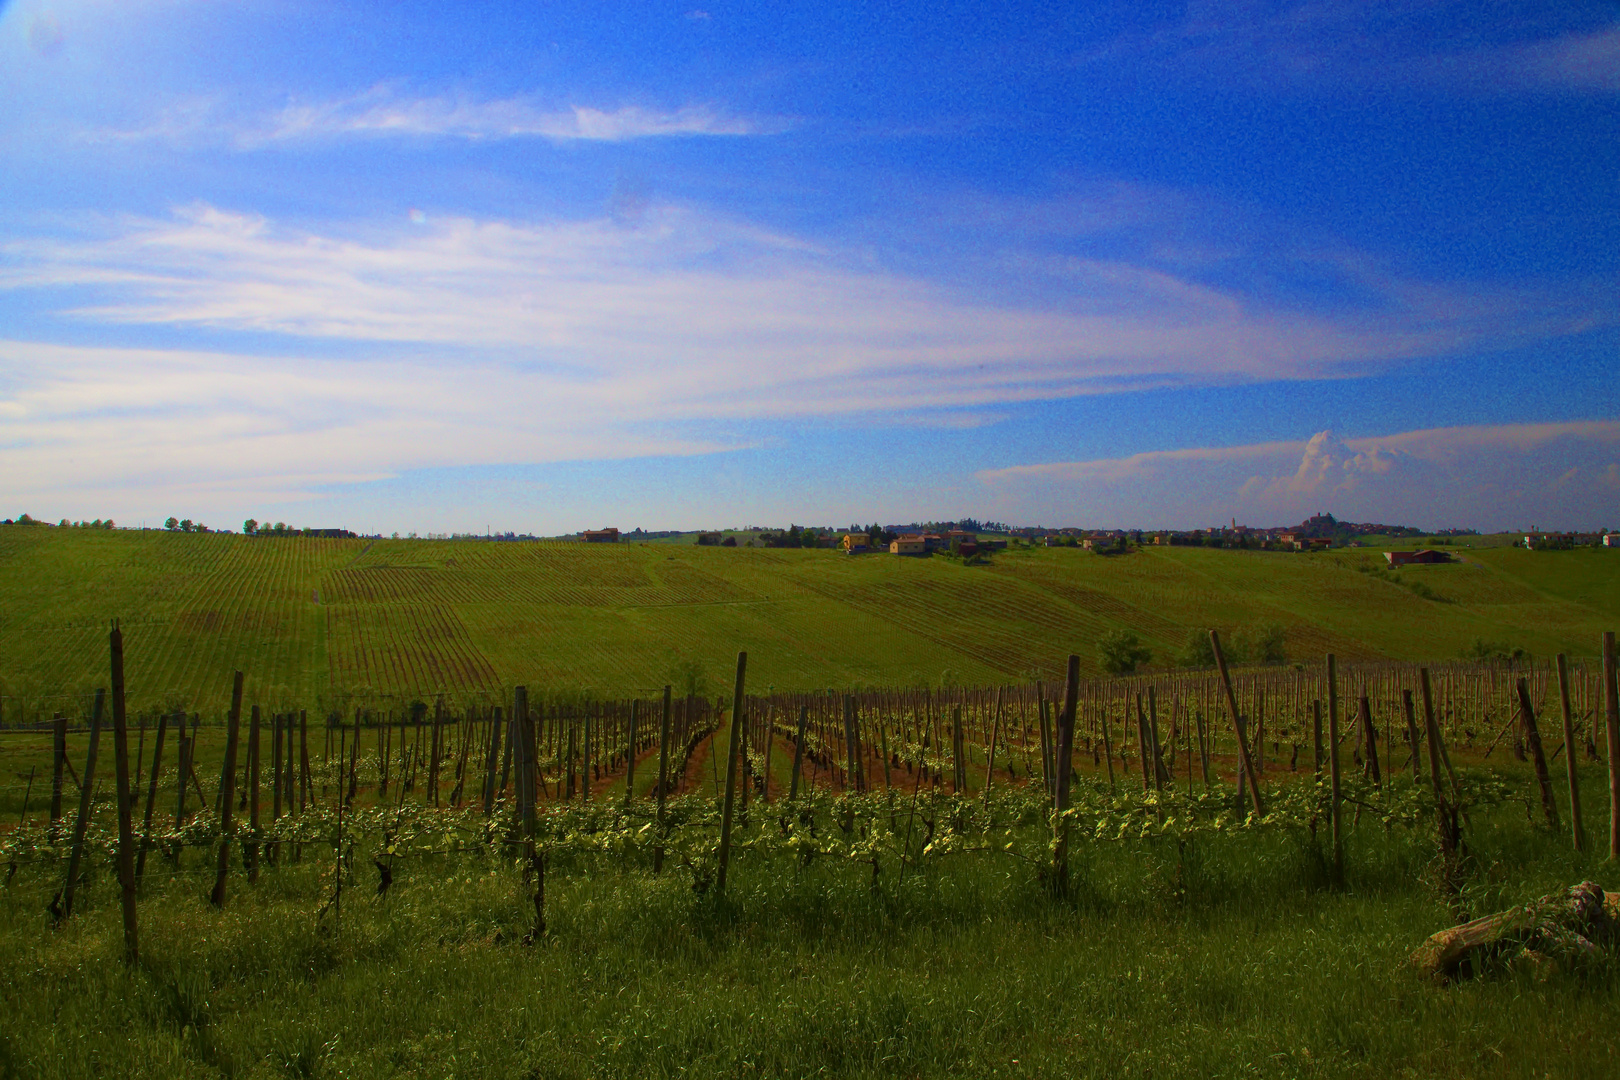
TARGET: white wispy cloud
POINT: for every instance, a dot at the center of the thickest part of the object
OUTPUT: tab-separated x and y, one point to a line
1488	476
1356	47
715	316
384	112
451	341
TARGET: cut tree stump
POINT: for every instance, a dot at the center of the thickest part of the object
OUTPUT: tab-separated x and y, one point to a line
1568	927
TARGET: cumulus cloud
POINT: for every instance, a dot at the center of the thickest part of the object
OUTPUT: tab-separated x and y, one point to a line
1328	464
1494	476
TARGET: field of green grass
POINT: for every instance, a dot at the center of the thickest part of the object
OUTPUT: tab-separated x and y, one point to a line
1222	955
315	619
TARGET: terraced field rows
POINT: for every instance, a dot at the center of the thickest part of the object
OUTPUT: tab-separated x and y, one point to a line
314	619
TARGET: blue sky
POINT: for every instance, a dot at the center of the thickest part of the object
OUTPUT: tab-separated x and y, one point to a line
545	266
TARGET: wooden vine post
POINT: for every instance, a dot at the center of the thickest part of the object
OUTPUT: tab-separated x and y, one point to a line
1411	732
251	844
1532	735
798	753
1335	789
1244	757
1577	829
151	796
1065	761
233	730
663	777
522	758
126	827
58	771
630	753
990	752
1446	813
87	787
491	761
737	709
1611	710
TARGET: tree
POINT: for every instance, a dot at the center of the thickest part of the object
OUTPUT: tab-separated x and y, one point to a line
1198	652
249	527
173	524
1268	644
1121	652
186	525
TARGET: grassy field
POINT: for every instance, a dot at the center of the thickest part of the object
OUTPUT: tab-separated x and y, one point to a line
1179	951
313	619
1224	956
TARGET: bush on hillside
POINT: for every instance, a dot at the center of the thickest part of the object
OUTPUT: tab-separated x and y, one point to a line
1122	652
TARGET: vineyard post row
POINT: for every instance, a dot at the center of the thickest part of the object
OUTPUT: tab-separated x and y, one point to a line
912	729
853	737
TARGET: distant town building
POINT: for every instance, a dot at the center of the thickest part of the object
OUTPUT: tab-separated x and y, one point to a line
601	536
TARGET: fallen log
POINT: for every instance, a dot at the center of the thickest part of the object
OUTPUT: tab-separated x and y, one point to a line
1566	927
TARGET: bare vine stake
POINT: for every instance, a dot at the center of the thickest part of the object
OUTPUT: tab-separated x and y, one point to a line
1048	764
151	796
1141	740
22	818
770	744
86	789
798	753
252	842
1371	733
184	763
126	828
523	758
1577	830
354	760
990	753
305	785
1335	807
58	767
491	760
275	767
585	757
1446	814
630	753
1237	723
1611	710
1161	775
1411	732
1065	761
731	771
663	778
433	750
1316	730
849	742
1532	734
233	726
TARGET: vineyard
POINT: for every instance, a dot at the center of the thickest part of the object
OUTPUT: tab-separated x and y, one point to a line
528	816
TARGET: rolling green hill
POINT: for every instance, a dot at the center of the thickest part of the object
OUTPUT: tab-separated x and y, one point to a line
310	618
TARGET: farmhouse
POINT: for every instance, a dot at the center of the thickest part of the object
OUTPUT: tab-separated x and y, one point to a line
600	536
1408	558
1611	539
908	545
854	543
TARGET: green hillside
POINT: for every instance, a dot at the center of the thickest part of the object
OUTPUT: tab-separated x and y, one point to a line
308	618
